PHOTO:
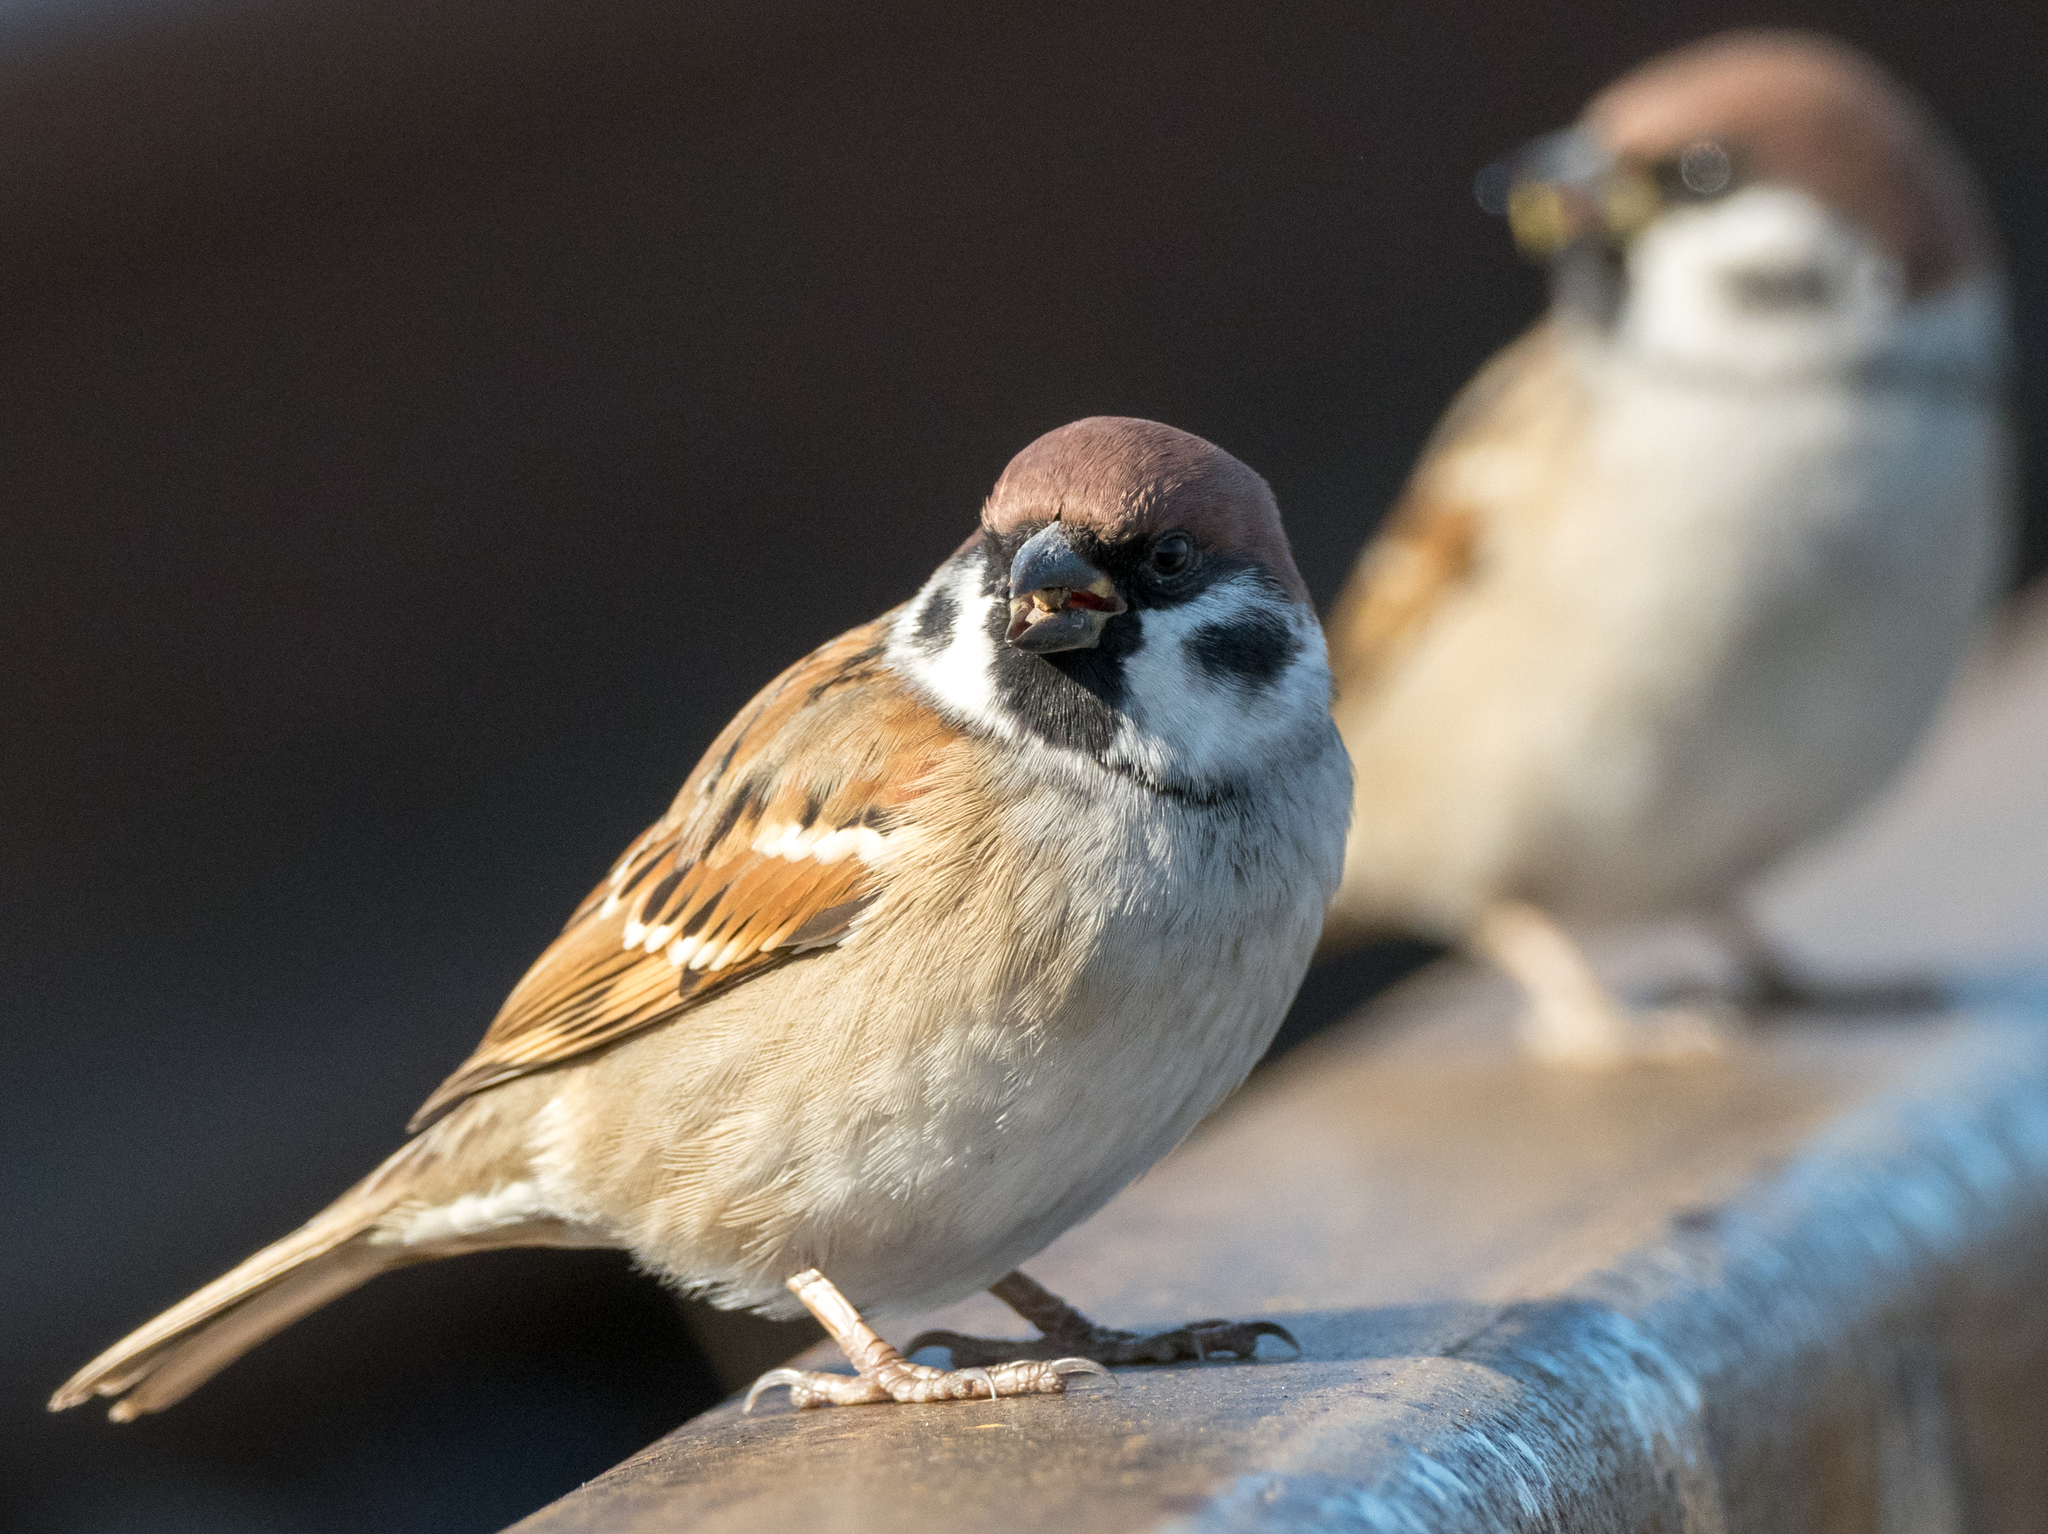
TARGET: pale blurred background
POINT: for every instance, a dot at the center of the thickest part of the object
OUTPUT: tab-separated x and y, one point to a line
422	424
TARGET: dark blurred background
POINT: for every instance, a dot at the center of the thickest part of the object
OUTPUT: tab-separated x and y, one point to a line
422	425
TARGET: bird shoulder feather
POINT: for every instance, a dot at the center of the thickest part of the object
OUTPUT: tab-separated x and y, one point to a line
775	847
1477	471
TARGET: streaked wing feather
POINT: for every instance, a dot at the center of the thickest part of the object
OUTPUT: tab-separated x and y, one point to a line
771	849
1432	543
1424	551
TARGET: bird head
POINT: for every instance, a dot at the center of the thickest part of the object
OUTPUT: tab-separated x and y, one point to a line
1761	202
1131	596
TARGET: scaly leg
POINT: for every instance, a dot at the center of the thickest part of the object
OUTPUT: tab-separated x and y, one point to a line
1570	1017
1772	985
886	1375
1066	1330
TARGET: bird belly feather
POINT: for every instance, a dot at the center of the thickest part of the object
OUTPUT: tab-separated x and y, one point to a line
1115	963
1795	577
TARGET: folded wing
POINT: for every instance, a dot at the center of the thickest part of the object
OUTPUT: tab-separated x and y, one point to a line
776	846
1490	464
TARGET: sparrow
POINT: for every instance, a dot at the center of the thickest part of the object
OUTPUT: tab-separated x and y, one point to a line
961	924
1683	572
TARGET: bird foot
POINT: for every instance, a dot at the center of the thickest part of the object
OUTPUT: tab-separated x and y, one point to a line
1773	990
1570	1017
884	1374
1717	1014
1772	981
1065	1331
912	1383
1196	1342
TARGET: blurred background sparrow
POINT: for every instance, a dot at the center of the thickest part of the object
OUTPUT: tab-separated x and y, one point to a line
428	425
1684	571
968	918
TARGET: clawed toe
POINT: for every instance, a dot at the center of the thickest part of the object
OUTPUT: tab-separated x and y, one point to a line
1078	1366
1240	1337
1200	1341
813	1387
1197	1342
982	1382
914	1383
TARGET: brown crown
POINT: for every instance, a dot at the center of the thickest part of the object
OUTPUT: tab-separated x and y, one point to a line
1806	110
1119	476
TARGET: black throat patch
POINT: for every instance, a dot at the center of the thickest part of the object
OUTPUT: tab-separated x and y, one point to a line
1072	698
1077	699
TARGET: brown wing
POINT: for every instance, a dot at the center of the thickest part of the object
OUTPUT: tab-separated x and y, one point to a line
1423	552
770	850
1504	425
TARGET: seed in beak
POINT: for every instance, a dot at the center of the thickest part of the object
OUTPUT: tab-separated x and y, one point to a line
1049	600
1058	600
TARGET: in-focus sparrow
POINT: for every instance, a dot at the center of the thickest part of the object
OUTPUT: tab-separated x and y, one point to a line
1684	570
958	927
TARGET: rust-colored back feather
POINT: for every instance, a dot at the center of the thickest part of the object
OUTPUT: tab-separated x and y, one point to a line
769	851
1433	543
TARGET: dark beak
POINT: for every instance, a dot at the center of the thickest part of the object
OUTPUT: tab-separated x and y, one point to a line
1058	601
1566	187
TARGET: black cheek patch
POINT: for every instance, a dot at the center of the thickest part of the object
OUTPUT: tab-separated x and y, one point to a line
1249	651
935	621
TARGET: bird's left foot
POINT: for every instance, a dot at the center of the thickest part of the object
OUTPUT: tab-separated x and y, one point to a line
886	1375
1769	988
1772	981
1065	1331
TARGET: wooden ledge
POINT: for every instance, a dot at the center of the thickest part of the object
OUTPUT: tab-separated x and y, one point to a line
1799	1287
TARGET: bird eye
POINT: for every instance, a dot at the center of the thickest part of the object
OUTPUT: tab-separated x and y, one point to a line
1706	169
1172	553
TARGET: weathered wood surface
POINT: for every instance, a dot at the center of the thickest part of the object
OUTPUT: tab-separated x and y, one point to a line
1799	1288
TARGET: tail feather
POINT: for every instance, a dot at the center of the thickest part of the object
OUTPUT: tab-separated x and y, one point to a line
337	1250
251	1301
171	1370
135	1355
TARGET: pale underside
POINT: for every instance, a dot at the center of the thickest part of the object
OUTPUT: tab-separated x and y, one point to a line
1050	975
1796	571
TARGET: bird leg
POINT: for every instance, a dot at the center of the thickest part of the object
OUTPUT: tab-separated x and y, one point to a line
884	1374
1770	984
1065	1330
1570	1017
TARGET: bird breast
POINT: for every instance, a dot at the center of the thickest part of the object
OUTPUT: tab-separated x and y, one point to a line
1063	978
1704	629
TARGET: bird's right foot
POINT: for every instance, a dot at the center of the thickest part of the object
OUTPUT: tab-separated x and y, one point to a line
1571	1018
884	1374
1066	1331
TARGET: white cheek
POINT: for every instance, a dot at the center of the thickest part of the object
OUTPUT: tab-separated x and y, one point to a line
1188	723
1685	299
960	676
